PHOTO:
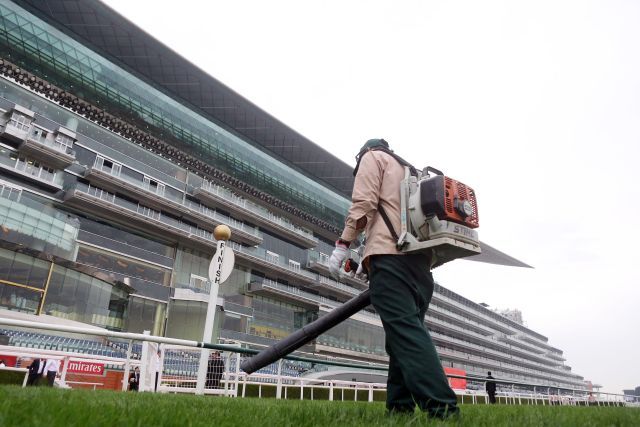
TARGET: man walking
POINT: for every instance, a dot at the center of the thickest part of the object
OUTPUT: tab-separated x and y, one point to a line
215	369
490	387
36	369
401	285
51	370
134	379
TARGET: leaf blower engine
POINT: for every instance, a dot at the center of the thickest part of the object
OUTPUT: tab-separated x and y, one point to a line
439	215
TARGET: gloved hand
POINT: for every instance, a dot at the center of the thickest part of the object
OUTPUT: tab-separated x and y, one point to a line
360	274
339	254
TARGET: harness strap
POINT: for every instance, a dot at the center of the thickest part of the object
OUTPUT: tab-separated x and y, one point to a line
387	221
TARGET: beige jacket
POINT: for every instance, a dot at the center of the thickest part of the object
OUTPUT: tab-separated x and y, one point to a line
377	181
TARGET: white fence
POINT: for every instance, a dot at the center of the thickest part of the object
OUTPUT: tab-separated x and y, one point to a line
170	365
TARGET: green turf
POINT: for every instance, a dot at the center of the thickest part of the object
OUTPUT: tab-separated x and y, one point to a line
43	406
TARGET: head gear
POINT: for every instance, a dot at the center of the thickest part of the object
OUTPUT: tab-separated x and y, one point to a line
371	144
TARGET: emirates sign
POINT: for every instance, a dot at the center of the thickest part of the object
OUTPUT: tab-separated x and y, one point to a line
86	368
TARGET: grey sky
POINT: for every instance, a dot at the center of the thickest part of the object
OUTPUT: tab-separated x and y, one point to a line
534	104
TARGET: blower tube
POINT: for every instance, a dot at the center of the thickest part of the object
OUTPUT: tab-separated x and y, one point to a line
306	334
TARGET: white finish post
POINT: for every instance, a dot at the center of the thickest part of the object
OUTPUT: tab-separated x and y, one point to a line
211	314
127	367
331	391
371	393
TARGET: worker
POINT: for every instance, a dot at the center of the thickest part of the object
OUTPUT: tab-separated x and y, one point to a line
401	285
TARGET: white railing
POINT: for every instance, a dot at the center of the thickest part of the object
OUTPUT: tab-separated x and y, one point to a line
182	379
254	208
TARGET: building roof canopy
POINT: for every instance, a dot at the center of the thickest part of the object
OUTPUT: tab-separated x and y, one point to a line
108	33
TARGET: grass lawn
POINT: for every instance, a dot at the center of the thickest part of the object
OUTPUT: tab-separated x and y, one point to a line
42	406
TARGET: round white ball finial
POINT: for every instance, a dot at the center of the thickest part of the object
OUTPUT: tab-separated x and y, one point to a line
222	232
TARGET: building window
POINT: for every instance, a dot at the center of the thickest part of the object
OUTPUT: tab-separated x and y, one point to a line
294	265
101	194
323	258
33	167
145	315
153	186
64	140
39	135
10	193
199	283
272	257
107	166
20	121
148	212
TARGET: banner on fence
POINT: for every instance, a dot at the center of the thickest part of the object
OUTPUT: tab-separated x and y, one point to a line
87	368
456	383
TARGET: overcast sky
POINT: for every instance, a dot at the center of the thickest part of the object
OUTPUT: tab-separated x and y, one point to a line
536	105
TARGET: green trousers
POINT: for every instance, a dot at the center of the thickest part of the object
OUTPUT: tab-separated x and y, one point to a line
401	288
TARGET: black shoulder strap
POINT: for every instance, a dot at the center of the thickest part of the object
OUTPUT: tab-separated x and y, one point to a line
387	221
403	162
399	159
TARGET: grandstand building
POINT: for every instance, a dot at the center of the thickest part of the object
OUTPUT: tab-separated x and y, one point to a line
118	158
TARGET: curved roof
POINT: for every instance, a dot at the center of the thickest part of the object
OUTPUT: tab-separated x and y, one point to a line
113	36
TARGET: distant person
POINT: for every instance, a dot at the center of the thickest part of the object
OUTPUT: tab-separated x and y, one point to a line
2	364
134	379
51	370
490	387
215	369
155	367
35	369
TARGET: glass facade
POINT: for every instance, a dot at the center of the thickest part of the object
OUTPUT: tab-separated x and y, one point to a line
275	319
68	64
26	282
145	315
30	221
23	269
355	336
83	298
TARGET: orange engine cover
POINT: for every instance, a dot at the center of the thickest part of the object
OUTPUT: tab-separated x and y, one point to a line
449	200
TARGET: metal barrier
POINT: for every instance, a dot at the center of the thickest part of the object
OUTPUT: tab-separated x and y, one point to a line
177	363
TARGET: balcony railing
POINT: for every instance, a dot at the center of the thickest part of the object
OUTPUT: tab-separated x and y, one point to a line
30	168
338	286
477	327
486	363
444	300
492	363
229	197
275	260
52	143
498	355
145	213
18	125
288	290
189	207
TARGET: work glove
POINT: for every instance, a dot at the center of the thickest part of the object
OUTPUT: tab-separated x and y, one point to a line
360	274
355	270
339	254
